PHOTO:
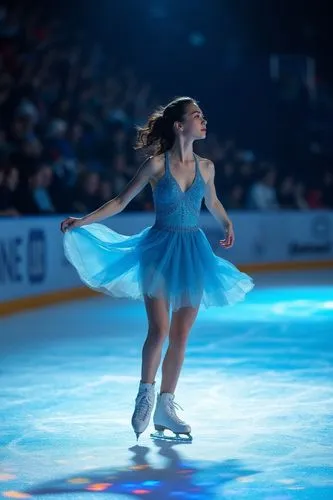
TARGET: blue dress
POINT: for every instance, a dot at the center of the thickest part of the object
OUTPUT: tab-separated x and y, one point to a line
171	259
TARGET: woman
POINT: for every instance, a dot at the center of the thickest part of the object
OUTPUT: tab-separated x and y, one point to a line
168	265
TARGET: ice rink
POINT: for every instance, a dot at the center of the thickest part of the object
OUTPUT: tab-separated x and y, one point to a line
256	387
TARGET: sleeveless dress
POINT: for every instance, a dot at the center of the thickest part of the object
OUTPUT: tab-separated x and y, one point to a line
172	259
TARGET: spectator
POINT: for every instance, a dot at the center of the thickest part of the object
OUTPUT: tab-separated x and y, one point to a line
105	191
61	151
314	198
36	199
301	202
9	179
327	189
286	193
235	199
228	177
87	197
262	194
246	174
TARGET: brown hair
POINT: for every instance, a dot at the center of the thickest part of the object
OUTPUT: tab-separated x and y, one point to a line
157	135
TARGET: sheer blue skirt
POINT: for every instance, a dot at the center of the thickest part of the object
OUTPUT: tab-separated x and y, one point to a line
178	266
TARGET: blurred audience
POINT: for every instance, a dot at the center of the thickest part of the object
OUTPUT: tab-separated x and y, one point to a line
67	125
34	198
9	179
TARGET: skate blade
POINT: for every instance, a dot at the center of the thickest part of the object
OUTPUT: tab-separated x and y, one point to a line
176	437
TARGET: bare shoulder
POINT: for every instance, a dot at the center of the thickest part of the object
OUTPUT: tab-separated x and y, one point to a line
151	167
156	168
207	168
158	162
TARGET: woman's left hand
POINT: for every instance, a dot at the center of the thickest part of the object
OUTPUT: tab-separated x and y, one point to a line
229	236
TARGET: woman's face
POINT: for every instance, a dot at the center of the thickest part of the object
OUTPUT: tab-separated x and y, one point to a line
194	124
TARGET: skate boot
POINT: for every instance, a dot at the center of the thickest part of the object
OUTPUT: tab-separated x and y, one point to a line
165	418
144	403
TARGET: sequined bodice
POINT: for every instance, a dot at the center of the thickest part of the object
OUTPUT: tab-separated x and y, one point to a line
176	209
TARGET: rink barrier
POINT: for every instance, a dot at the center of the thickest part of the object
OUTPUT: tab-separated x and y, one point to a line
48	299
35	273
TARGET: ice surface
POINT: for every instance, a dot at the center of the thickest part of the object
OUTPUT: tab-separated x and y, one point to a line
256	387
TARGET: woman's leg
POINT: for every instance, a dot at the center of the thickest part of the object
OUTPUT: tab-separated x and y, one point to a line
181	323
158	329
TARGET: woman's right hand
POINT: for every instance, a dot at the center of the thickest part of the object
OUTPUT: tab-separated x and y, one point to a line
71	223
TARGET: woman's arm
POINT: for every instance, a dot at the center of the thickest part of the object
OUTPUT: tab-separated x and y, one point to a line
216	208
117	204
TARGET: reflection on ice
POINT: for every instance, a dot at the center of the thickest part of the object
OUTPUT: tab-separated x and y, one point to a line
177	478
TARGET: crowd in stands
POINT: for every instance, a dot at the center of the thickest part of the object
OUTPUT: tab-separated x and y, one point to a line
67	127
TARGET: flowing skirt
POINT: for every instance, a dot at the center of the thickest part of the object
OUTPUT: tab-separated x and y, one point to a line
178	266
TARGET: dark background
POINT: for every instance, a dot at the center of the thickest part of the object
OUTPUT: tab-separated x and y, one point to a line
261	71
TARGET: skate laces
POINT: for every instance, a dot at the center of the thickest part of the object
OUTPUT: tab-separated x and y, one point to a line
143	405
172	407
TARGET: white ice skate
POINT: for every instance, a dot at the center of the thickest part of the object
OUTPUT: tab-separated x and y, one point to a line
144	403
165	418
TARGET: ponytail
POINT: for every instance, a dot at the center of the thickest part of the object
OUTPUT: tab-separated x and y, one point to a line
157	135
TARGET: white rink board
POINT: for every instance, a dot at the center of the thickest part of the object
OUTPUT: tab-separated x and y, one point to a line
277	236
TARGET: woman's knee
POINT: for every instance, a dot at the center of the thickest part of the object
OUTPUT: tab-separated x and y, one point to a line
179	337
157	333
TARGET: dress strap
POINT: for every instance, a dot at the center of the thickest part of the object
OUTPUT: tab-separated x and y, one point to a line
196	161
197	168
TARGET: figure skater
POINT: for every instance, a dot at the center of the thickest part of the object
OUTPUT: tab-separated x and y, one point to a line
169	265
